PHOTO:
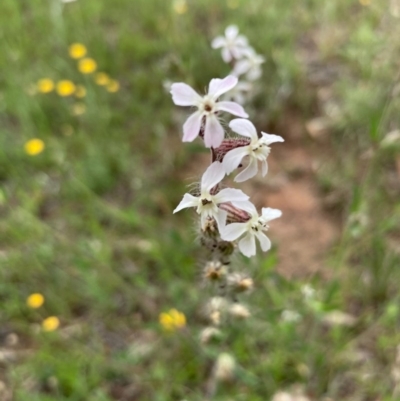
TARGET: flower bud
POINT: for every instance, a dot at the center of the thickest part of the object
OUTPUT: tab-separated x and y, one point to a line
214	271
239	282
239	311
208	334
224	367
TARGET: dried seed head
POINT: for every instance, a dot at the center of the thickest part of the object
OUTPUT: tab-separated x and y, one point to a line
214	309
211	229
224	367
208	334
214	271
239	282
239	311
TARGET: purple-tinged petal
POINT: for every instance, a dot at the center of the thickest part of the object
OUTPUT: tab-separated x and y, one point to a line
192	126
213	133
271	138
264	241
184	95
268	213
230	195
187	201
249	172
219	86
231	31
233	108
212	176
218	42
234	157
233	231
244	127
247	245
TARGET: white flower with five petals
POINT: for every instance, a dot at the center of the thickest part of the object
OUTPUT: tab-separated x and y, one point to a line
233	45
257	150
251	229
208	106
207	203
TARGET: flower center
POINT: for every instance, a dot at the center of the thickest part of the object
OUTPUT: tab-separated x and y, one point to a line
207	105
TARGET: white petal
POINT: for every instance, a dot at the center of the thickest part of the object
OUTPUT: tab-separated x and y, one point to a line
233	231
233	158
270	138
249	172
230	195
241	41
187	201
226	55
219	86
231	31
220	218
264	166
241	67
247	206
243	127
184	95
264	241
232	107
254	73
191	128
247	245
218	42
213	133
270	214
212	176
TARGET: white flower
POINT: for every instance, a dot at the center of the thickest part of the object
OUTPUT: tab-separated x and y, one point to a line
250	65
208	106
257	150
233	45
207	203
250	229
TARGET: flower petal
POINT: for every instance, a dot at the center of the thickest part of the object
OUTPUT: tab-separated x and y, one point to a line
233	158
218	42
254	73
187	201
219	86
243	127
212	176
247	245
270	138
233	231
268	213
231	31
192	126
264	166
220	218
184	95
249	172
233	108
264	241
230	195
213	133
247	206
226	55
241	67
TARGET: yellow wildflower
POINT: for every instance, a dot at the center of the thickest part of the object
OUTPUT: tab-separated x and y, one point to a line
34	146
78	109
113	86
172	320
180	6
101	78
87	65
65	88
35	300
45	85
80	91
51	323
77	50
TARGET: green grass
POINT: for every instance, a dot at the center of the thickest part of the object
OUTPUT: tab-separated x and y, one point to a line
88	223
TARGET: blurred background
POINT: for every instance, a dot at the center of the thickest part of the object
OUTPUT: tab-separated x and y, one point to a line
92	166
